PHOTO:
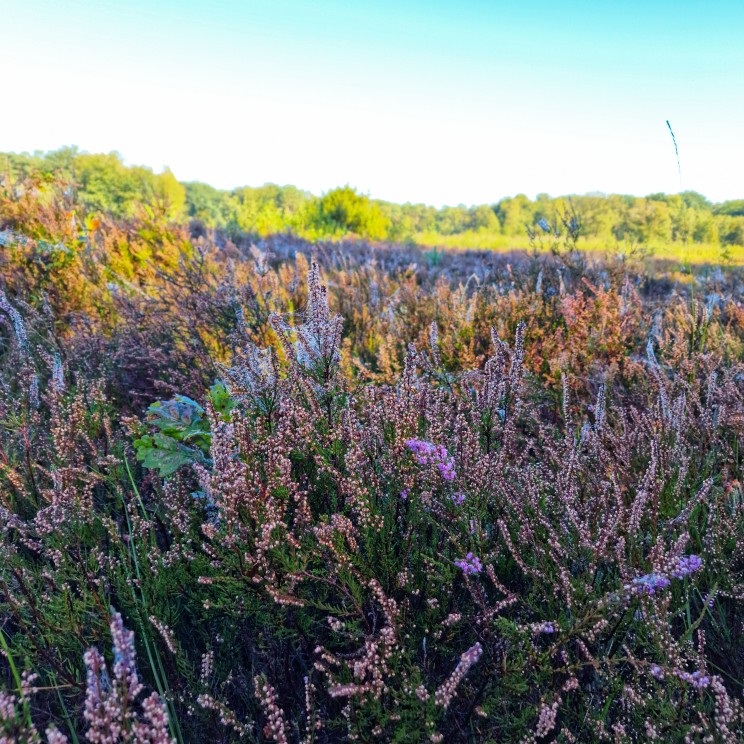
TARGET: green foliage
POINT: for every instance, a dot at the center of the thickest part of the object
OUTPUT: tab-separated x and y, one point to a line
102	183
206	203
183	435
343	211
666	224
222	401
265	210
732	208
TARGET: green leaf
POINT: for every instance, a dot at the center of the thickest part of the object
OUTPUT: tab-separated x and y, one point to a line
164	454
182	419
222	402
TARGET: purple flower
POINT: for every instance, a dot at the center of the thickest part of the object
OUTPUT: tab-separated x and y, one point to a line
653	582
650	583
546	627
447	471
458	498
423	450
696	679
404	494
427	453
657	671
686	565
470	564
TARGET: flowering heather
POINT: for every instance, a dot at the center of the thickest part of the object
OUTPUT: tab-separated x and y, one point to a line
427	453
446	692
651	583
470	564
460	497
655	582
546	627
111	703
16	320
687	565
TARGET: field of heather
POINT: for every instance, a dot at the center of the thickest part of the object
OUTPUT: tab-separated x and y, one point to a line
327	492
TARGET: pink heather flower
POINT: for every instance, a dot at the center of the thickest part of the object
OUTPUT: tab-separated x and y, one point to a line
444	694
470	564
427	453
54	736
124	655
111	704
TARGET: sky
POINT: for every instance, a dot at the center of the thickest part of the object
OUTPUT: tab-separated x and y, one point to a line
460	102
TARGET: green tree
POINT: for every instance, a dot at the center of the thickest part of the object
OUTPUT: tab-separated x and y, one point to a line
484	218
169	195
206	203
343	211
515	213
733	208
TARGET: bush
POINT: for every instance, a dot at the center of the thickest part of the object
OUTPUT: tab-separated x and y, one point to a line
343	210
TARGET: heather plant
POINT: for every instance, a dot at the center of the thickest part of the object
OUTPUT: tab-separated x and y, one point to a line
362	497
362	489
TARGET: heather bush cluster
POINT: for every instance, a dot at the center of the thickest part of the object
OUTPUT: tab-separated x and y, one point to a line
301	492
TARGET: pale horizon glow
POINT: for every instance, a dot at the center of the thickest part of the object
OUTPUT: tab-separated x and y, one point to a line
438	102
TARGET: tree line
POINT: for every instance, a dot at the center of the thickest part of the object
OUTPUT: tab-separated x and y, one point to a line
103	183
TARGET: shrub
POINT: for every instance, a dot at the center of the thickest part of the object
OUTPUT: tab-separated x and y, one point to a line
487	499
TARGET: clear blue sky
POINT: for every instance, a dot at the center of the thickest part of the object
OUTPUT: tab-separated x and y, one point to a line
436	102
